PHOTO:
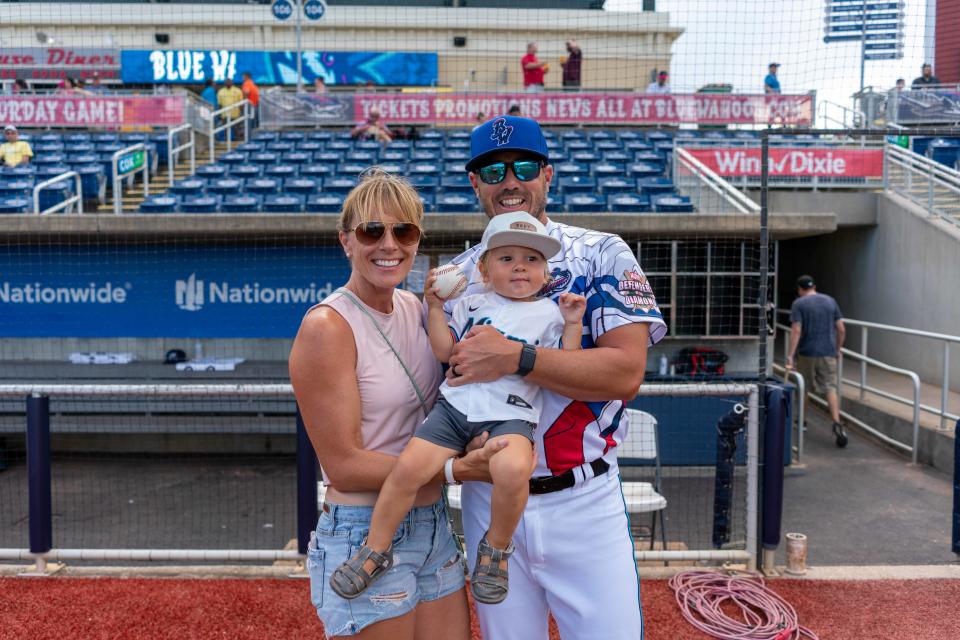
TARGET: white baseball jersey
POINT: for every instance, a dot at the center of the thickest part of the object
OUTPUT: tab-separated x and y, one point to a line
602	268
511	397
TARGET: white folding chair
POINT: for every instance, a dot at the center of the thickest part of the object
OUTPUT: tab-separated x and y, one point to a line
641	445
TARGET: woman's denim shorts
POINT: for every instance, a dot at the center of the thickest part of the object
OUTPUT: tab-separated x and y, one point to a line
426	566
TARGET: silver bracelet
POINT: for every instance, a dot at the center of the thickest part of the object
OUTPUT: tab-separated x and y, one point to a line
448	471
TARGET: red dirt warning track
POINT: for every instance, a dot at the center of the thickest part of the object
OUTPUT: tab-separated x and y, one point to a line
94	608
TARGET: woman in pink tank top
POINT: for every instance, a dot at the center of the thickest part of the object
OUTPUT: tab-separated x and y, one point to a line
360	408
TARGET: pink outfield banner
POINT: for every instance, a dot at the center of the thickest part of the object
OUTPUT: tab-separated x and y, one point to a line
589	108
91	110
793	162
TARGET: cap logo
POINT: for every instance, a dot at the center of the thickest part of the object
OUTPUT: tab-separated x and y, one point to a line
519	225
501	132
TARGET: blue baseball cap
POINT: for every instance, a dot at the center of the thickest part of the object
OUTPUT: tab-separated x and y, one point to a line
506	133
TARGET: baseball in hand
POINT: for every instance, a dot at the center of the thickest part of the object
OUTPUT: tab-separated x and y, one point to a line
449	281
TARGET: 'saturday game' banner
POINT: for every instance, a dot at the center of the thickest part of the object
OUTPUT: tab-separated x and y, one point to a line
577	108
91	111
196	66
737	162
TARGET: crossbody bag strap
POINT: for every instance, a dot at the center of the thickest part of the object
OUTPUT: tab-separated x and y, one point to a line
416	387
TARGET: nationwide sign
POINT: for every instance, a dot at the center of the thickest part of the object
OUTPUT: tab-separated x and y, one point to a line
792	162
54	63
563	108
91	111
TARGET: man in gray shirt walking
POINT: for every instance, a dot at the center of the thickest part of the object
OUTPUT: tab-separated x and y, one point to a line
816	338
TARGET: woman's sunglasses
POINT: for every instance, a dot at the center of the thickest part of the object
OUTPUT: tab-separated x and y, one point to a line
370	233
525	170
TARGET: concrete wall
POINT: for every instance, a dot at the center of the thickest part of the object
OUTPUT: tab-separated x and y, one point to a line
852	207
902	272
620	50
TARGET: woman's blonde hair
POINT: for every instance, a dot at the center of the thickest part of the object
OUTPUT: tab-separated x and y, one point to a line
380	192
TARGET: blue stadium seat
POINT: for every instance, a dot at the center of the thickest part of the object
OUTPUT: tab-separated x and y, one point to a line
264	136
583	203
458	145
944	151
654	136
459	134
23	170
15	204
263	185
324	203
428	200
607	169
424	155
655	186
394	155
16	186
50	158
361	157
351	168
456	183
163	203
455	203
47	148
620	157
189	187
428	168
200	204
281	171
46	171
672	204
80	147
686	135
246	171
234	157
601	134
264	158
54	194
73	138
93	182
425	183
250	147
283	203
400	145
627	203
635	146
45	138
296	158
578	146
310	146
340	146
225	186
572	135
643	170
343	136
368	146
584	156
607	146
322	136
294	136
664	147
577	184
242	203
301	185
211	171
744	135
571	169
428	144
455	168
339	184
328	157
315	170
398	168
650	157
281	146
553	145
617	184
82	158
132	137
449	155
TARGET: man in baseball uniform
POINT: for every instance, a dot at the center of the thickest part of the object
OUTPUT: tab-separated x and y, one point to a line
574	554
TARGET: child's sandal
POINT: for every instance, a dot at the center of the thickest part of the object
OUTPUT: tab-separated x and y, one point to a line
350	579
489	583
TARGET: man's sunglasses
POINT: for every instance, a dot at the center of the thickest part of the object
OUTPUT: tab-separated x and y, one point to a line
525	170
370	233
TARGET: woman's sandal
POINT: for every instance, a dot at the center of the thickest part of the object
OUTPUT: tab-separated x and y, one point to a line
350	579
489	583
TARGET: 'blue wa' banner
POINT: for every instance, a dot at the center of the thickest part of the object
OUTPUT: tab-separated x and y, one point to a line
163	291
195	66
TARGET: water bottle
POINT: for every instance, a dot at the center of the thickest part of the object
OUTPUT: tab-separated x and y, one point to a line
664	366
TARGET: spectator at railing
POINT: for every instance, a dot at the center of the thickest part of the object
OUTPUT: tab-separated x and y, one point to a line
319	85
96	86
69	86
252	93
571	65
926	80
900	85
209	93
660	84
373	127
771	84
14	152
533	70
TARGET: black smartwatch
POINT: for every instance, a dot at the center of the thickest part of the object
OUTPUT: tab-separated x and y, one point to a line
528	356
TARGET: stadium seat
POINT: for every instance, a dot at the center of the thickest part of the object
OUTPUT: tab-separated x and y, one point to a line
944	151
250	147
428	200
562	169
649	157
607	146
280	171
54	194
283	203
15	204
458	145
339	184
456	183
351	168
672	204
627	203
616	184
321	136
424	155
578	146
636	146
459	134
429	144
403	146
583	203
225	186
367	146
424	183
280	146
211	171
47	171
639	447
73	139
16	186
361	157
264	136
428	168
315	170
655	136
393	167
46	148
296	158
246	171
601	134
82	158
200	204
93	183
455	203
293	136
629	135
607	169
643	170
263	185
105	138
241	203
189	187
450	155
577	184
340	146
264	158
584	156
394	155
620	157
303	186
664	147
324	203
233	157
572	135
455	168
655	186
163	203
310	146
80	147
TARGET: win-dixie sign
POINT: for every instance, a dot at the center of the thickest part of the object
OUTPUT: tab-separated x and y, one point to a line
163	290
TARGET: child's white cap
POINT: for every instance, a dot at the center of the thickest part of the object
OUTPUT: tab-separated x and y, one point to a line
519	229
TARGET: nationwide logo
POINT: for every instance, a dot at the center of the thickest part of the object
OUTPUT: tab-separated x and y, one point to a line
41	293
194	293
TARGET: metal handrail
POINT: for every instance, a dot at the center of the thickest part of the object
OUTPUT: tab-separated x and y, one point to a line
118	185
947	339
721	187
76	197
936	175
228	124
173	152
801	393
859	118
